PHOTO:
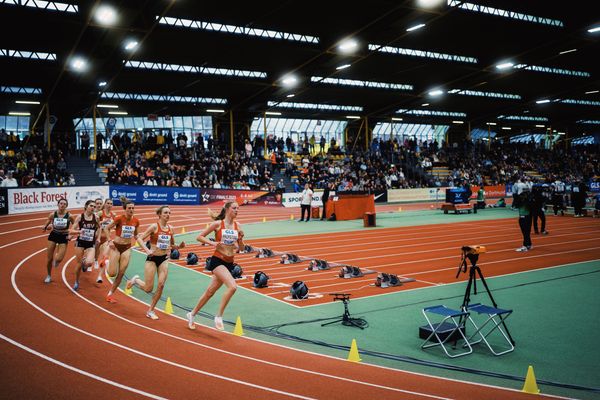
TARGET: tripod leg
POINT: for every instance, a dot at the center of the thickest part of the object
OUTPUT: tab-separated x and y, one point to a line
487	289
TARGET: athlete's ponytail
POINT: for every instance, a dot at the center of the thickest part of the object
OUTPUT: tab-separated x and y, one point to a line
125	202
221	215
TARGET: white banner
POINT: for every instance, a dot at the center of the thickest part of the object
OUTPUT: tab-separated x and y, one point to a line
408	195
45	199
293	199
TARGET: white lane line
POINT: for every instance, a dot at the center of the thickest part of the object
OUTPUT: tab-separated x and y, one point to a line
80	371
257	360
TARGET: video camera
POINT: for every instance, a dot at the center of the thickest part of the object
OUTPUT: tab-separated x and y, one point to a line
471	253
473	249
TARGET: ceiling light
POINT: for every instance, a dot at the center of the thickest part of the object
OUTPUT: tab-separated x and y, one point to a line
348	46
430	3
567	51
458	122
540	126
106	15
272	113
290	95
490	123
107	106
215	110
595	29
436	92
506	128
505	65
352	117
561	133
414	28
131	45
542	101
117	112
26	102
342	67
396	119
102	84
592	92
78	63
289	81
19	113
424	104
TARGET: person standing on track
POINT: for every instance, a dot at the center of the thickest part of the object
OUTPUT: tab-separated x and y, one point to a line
325	199
305	201
558	196
126	228
162	241
105	217
523	204
228	239
86	227
59	222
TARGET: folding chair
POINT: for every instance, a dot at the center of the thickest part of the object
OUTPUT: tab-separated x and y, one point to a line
452	324
495	317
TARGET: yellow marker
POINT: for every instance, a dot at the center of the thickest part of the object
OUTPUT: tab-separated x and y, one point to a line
129	291
291	217
238	330
168	306
353	355
183	230
264	219
530	385
399	209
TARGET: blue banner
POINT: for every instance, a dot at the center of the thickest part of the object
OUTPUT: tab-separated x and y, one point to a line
594	185
157	195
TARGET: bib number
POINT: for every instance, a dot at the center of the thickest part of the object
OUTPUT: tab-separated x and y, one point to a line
60	223
87	235
163	242
229	236
127	231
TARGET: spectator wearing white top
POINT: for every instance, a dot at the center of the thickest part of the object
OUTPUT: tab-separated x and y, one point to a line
9	181
305	201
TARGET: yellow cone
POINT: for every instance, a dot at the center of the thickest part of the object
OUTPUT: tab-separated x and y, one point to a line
168	306
353	355
129	291
183	230
264	219
399	209
238	330
291	217
530	385
207	225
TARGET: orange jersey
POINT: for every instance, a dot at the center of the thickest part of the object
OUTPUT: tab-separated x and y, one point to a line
162	237
126	228
226	237
106	219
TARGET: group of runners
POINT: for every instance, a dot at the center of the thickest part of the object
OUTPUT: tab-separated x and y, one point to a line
103	242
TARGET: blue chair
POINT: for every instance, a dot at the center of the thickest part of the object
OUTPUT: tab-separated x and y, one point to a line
494	319
450	329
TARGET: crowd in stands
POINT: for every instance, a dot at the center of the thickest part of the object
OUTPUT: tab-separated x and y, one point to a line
27	162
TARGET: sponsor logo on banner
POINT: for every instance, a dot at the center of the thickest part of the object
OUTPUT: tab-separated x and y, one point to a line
3	201
45	199
594	186
242	197
490	191
156	195
293	199
408	195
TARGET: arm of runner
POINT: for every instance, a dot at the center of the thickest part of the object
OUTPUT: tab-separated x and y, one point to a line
141	239
173	246
73	231
211	228
48	222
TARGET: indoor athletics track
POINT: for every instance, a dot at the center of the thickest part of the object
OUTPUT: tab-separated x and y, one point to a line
60	344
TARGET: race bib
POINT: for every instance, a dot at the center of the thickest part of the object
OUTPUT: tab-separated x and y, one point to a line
106	223
229	236
60	223
87	235
127	231
163	242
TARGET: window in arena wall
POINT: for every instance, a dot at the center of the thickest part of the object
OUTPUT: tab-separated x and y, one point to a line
18	125
297	129
423	132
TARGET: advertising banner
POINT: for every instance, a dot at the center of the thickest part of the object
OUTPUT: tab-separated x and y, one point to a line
3	201
156	195
594	185
23	200
410	195
293	199
242	197
490	191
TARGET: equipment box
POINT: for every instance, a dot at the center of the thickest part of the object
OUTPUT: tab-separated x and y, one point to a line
443	332
315	212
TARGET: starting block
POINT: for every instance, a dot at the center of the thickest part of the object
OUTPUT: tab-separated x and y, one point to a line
384	280
264	253
318	265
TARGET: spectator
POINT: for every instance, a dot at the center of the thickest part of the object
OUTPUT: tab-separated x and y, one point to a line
85	143
9	181
305	202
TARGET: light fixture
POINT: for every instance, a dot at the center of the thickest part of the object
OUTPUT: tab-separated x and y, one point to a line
430	3
561	133
289	96
594	29
592	92
352	117
348	46
397	119
458	122
567	51
491	123
102	83
424	104
215	110
506	128
130	45
107	106
117	112
540	126
106	15
343	67
414	28
289	81
19	113
542	101
436	92
26	102
505	65
272	113
78	64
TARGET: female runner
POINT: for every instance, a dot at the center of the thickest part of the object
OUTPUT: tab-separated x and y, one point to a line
162	241
86	228
58	221
228	238
105	217
126	229
99	203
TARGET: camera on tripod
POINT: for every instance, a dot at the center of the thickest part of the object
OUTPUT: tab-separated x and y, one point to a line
471	253
473	249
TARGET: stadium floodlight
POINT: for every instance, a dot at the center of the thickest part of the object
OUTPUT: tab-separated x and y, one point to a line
414	28
102	83
543	101
26	102
79	64
430	3
435	93
343	67
425	105
117	112
567	51
107	106
130	45
215	110
458	122
505	65
491	123
397	119
289	96
352	117
592	92
289	81
348	46
272	113
506	128
19	113
106	15
594	29
540	126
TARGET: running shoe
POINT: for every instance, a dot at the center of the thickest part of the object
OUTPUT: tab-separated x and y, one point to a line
190	319
99	279
76	286
151	314
522	249
219	323
131	282
48	279
110	300
545	232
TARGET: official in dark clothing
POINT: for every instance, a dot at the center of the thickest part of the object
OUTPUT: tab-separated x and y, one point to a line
524	207
578	198
538	209
325	199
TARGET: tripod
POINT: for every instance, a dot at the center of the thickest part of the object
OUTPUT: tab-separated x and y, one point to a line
346	319
475	271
